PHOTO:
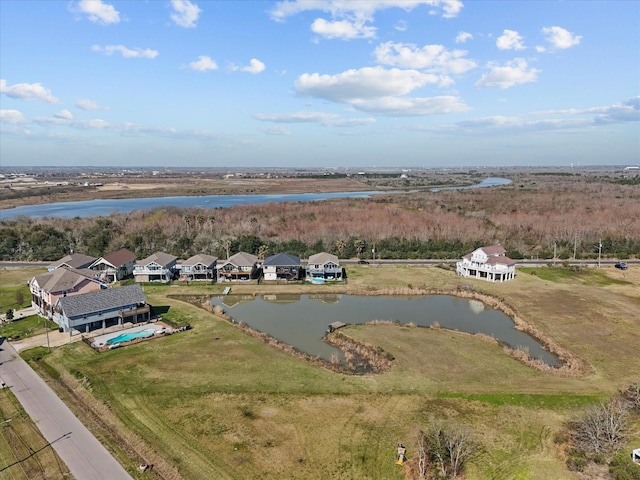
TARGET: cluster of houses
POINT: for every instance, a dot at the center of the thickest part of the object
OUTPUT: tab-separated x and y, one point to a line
75	292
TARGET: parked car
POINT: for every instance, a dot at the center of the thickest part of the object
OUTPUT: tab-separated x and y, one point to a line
362	262
622	265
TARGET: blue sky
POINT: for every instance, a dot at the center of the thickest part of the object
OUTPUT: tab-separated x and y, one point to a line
319	83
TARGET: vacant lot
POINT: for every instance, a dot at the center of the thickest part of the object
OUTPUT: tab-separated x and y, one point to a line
213	402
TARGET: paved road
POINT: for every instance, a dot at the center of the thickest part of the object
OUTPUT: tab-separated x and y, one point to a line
86	458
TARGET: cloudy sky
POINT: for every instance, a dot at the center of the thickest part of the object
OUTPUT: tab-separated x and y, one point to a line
323	83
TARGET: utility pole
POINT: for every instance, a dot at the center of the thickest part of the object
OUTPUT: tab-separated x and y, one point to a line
554	253
599	252
46	327
575	246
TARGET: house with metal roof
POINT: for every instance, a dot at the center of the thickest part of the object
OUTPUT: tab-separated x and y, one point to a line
487	263
158	267
239	267
47	288
114	267
281	266
199	268
323	267
101	309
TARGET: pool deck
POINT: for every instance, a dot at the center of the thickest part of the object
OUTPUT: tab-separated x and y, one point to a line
102	339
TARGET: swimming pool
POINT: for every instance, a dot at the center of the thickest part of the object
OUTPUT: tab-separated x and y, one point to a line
126	337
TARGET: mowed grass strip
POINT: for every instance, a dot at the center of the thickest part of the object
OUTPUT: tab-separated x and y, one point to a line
213	402
19	439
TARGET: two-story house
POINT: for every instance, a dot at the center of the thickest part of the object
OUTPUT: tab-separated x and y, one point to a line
47	288
158	267
323	267
281	266
114	267
74	260
487	263
199	268
239	267
101	309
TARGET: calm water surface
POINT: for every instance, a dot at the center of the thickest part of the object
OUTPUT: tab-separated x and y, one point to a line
301	320
104	207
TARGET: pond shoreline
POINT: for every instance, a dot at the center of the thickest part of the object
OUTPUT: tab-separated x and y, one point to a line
570	364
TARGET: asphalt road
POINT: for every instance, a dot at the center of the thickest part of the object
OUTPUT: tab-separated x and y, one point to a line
84	455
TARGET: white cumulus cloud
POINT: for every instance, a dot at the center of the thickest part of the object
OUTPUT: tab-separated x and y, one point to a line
203	64
64	115
342	29
560	38
98	12
255	66
125	51
27	91
14	117
510	40
513	73
185	13
352	19
368	82
462	37
434	58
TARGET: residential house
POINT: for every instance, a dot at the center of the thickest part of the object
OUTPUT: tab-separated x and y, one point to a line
199	267
487	263
281	266
239	267
158	267
101	309
323	267
75	260
47	288
115	266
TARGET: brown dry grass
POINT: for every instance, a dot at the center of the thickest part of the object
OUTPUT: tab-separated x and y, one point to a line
214	402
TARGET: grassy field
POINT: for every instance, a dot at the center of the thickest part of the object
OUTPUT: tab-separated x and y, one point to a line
19	439
213	402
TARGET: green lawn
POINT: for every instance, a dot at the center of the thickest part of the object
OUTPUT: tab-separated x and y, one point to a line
213	402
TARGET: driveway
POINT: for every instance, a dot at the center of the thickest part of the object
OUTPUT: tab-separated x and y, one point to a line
84	455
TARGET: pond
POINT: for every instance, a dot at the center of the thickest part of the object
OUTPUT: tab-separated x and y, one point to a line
302	320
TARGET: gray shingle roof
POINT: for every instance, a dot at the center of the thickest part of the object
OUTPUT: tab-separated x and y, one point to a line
282	259
201	258
62	279
108	299
323	258
161	258
241	259
75	260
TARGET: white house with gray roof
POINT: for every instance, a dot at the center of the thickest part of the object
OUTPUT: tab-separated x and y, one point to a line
199	268
159	267
281	266
323	267
101	309
487	263
239	267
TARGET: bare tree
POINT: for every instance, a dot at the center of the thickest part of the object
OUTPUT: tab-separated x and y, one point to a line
446	447
603	427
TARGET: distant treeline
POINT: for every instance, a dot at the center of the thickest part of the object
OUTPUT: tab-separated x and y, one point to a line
567	216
